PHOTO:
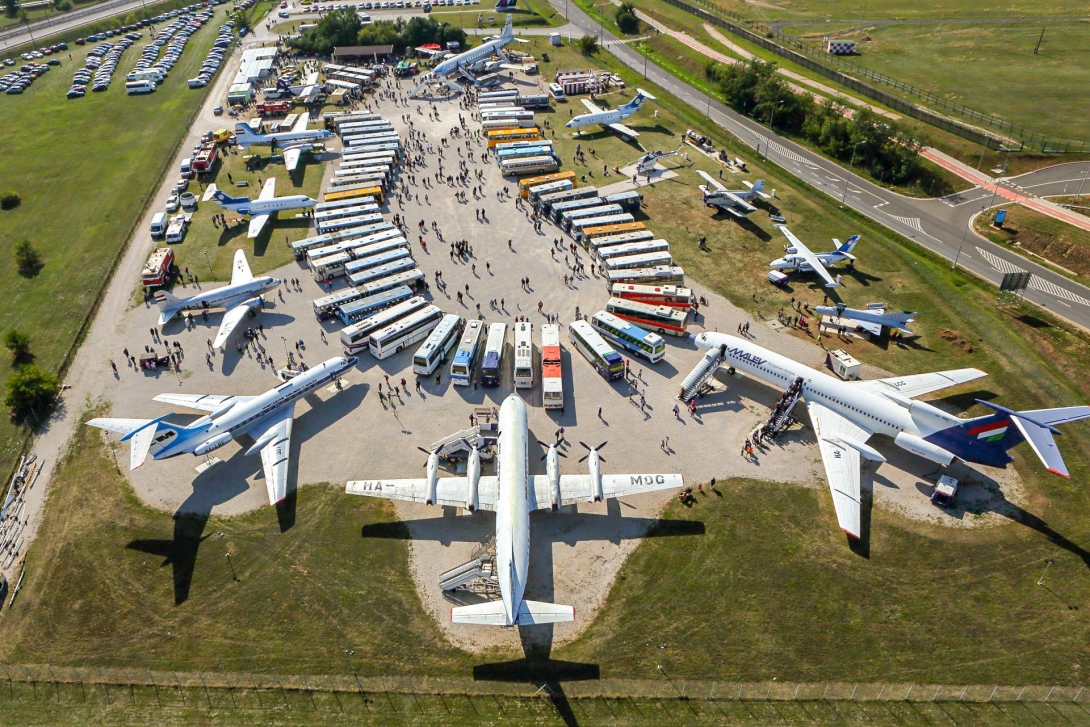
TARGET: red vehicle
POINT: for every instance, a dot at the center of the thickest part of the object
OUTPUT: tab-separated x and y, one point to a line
157	268
206	158
670	295
273	109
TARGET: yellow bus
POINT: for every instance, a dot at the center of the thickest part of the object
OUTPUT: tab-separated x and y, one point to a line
525	185
353	193
589	233
499	136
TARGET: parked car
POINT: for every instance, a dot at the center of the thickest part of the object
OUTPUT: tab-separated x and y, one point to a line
173	203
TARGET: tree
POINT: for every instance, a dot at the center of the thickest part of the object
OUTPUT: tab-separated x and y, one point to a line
130	19
11	8
18	343
27	258
626	19
340	27
383	32
62	6
10	199
587	45
31	395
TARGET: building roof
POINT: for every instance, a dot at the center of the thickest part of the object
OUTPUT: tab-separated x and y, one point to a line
362	50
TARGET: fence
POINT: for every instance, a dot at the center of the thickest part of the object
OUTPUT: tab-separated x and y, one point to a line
805	55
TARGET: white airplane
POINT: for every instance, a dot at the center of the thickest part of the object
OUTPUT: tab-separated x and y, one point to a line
258	210
734	202
872	318
266	418
464	62
513	493
646	163
612	118
291	143
239	297
845	414
799	257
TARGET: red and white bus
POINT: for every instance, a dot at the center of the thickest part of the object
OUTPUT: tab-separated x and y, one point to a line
671	295
662	318
552	384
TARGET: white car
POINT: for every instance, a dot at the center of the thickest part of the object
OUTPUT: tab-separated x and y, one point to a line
173	203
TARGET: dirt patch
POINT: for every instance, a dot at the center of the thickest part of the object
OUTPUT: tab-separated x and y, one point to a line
957	339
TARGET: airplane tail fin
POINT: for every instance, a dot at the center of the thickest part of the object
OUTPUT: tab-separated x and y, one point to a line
169	304
1037	427
849	245
640	97
509	28
759	187
225	199
140	433
530	613
244	135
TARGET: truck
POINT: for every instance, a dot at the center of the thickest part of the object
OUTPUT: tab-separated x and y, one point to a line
206	158
177	228
273	109
157	269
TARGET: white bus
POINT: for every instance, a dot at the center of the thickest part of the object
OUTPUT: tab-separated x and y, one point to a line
134	87
302	248
660	318
355	338
524	355
661	275
373	179
376	260
531	165
624	238
504	124
365	126
606	361
342	203
366	276
633	248
516	115
569	216
360	247
371	140
394	147
346	222
361	209
356	166
492	366
411	278
357	310
326	307
465	358
405	332
629	336
552	375
647	260
331	266
434	350
356	155
559	186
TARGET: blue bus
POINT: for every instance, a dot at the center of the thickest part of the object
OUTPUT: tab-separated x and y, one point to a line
357	310
607	362
629	336
465	358
492	368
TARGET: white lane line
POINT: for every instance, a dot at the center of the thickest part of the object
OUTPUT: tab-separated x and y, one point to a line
999	263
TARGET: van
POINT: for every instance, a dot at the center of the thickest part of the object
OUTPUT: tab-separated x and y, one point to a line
159	224
187	167
134	87
557	91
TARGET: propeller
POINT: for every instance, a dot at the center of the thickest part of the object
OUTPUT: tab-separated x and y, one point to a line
593	449
547	446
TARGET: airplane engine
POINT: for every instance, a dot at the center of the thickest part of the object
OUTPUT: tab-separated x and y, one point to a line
433	478
473	474
596	476
923	448
214	443
552	470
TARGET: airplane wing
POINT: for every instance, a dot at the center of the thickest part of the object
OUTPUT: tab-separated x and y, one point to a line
202	402
269	190
590	106
449	491
920	384
739	202
623	130
257	223
711	180
276	433
578	488
301	124
291	157
240	269
230	322
806	254
835	435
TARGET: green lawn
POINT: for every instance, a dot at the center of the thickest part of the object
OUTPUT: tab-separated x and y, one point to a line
85	169
1037	235
847	10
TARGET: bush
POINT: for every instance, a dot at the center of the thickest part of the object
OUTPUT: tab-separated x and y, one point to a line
626	19
27	258
62	5
18	343
10	199
587	45
32	393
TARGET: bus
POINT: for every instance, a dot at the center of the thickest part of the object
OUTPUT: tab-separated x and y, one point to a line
351	235
372	148
357	178
331	266
505	124
607	362
633	248
329	206
605	241
345	223
546	201
488	96
529	165
360	247
579	227
359	155
662	275
520	145
534	101
465	358
357	310
647	260
411	278
592	233
370	140
374	261
364	167
630	201
671	295
366	276
300	248
355	338
525	151
326	306
434	350
498	106
535	192
359	209
662	319
629	336
373	124
569	215
520	114
492	367
498	136
354	192
345	119
552	375
405	332
524	355
525	185
558	209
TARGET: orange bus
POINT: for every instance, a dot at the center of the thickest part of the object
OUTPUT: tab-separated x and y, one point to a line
353	193
589	233
525	185
500	136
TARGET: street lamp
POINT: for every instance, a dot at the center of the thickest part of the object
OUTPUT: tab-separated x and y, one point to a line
850	165
963	234
772	115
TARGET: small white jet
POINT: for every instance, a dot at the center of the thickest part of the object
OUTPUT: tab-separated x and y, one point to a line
732	202
845	414
239	297
873	318
612	118
291	143
799	257
266	418
513	493
258	210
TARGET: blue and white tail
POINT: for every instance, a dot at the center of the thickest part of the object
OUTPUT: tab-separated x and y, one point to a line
142	434
641	96
245	136
849	245
225	199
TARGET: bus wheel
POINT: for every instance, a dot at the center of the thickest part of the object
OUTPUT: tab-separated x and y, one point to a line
662	332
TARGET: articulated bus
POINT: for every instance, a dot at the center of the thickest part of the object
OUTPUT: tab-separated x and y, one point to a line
357	310
405	332
411	278
633	248
492	366
345	223
671	295
354	338
629	336
498	136
529	165
465	358
662	319
647	260
433	351
359	247
326	307
662	275
607	362
547	200
580	226
524	355
593	233
366	276
374	261
358	155
559	209
373	149
381	137
525	185
599	242
535	192
552	375
329	206
354	193
535	101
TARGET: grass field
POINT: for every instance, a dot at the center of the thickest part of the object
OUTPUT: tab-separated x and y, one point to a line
84	169
847	10
1040	236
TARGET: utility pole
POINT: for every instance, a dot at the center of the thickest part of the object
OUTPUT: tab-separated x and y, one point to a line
1039	41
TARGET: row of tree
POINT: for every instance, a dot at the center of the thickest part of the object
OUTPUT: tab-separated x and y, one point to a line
344	28
888	150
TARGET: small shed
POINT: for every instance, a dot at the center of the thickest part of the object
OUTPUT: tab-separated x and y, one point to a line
843	365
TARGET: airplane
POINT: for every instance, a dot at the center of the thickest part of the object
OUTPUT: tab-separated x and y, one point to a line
266	418
259	210
845	414
463	62
512	494
291	143
873	318
239	297
646	163
734	202
799	257
612	118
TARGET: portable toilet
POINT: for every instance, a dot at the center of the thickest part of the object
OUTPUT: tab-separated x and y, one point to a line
554	39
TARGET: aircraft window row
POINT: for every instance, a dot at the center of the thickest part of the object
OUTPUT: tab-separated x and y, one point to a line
864	413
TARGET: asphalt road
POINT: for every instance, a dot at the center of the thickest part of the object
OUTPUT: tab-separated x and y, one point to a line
941	225
42	29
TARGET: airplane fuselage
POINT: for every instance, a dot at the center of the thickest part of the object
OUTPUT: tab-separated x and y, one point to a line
797	262
285	138
222	297
254	207
512	506
470	57
601	118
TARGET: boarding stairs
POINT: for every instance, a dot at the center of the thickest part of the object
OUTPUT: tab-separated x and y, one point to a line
781	415
702	374
476	575
458	444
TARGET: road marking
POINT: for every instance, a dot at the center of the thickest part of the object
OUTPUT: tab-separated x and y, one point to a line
913	222
1046	286
881	204
999	263
1064	302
